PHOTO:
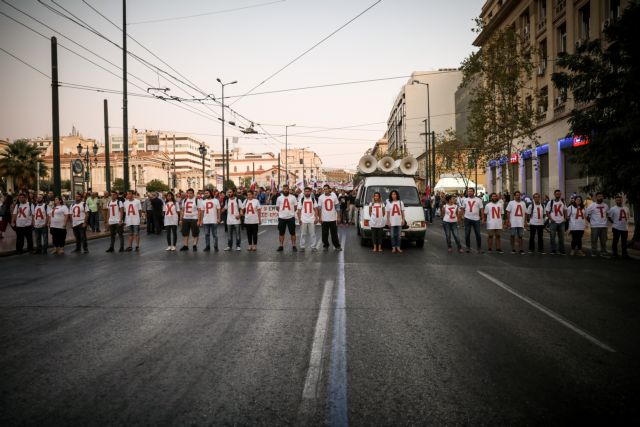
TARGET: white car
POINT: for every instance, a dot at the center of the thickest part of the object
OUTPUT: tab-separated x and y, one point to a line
414	212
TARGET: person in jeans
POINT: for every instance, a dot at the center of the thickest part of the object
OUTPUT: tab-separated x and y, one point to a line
171	210
597	215
40	225
210	220
22	221
577	223
148	210
536	219
251	212
308	218
115	215
377	220
473	217
395	219
517	221
328	205
556	212
79	219
449	212
619	216
234	215
190	220
493	213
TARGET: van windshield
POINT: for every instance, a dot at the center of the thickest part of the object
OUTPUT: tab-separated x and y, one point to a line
408	195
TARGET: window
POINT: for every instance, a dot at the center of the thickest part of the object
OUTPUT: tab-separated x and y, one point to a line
235	169
614	9
584	21
525	24
562	38
542	56
408	195
542	13
543	101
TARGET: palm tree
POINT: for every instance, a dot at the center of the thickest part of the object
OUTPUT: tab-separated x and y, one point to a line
19	161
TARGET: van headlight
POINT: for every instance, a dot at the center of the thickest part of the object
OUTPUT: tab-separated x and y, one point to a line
418	224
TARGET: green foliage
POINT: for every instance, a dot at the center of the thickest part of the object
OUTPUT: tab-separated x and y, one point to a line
229	184
604	79
157	185
20	160
117	185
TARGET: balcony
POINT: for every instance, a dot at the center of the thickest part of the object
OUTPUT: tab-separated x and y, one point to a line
542	25
560	9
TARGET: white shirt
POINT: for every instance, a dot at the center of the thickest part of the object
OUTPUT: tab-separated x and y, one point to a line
394	212
132	210
377	219
450	213
115	215
516	211
472	208
536	214
78	213
58	215
233	211
40	215
328	207
210	208
307	208
251	207
190	208
576	218
555	211
286	206
597	214
24	214
619	215
171	212
494	212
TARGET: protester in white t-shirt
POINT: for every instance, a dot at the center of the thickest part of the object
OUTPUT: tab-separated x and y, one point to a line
395	219
286	205
308	218
328	204
190	220
450	214
40	220
58	219
619	216
171	209
536	218
473	217
234	219
517	221
22	222
377	221
79	218
556	212
211	212
251	211
597	216
115	211
132	219
493	213
577	224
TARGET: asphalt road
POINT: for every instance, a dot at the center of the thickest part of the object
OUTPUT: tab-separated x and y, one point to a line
334	338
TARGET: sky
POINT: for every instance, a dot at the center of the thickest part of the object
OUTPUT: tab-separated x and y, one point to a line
243	40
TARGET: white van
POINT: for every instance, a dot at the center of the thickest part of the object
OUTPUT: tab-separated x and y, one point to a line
416	226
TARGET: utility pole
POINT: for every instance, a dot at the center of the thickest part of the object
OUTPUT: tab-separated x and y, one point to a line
107	160
174	162
433	158
57	183
427	158
125	114
278	171
223	138
228	174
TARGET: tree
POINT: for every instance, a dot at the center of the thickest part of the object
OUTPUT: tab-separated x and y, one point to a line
604	79
230	184
157	185
118	185
455	155
496	76
20	160
65	184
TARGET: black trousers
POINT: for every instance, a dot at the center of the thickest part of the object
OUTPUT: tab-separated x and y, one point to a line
536	230
330	227
58	235
80	234
113	230
150	222
252	233
622	236
576	239
157	222
24	233
172	234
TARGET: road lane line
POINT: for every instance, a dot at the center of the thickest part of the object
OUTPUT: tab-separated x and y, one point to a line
552	314
314	373
338	415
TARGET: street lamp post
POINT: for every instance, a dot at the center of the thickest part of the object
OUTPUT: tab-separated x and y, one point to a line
302	163
222	104
203	152
286	152
87	161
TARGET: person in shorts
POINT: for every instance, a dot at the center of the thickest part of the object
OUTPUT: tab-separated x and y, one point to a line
517	222
132	218
286	206
190	220
493	217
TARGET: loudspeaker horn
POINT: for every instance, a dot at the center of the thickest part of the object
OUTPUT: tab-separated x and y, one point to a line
408	165
385	164
367	164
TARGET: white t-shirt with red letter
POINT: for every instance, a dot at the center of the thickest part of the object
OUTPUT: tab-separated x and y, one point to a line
171	213
620	217
597	214
536	214
115	215
556	210
286	206
40	215
233	211
78	213
576	218
394	212
24	214
377	219
307	208
210	208
328	205
450	213
132	210
516	213
472	206
251	215
190	208
494	213
58	215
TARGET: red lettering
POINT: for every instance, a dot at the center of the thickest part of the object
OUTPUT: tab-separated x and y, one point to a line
539	213
250	209
471	205
557	209
113	209
39	214
601	209
518	211
22	212
131	210
395	210
579	213
377	209
328	204
187	207
308	207
170	209
286	205
208	206
495	212
76	211
623	215
452	212
232	205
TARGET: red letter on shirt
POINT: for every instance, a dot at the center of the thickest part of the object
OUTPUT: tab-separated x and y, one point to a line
557	209
76	211
308	207
452	214
39	214
579	214
395	210
623	215
250	209
377	208
208	206
285	204
518	211
471	205
495	212
131	210
328	205
601	209
170	209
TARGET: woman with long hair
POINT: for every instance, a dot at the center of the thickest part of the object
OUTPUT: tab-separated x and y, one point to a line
576	216
171	218
395	219
58	220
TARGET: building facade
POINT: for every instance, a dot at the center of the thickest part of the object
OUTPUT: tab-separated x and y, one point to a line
552	26
304	163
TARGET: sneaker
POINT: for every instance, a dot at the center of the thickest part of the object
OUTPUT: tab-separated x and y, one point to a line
173	248
184	248
459	251
294	249
338	249
280	249
109	250
554	253
500	251
238	249
195	248
168	248
542	252
521	252
468	250
129	249
137	248
530	252
206	249
227	249
563	253
513	251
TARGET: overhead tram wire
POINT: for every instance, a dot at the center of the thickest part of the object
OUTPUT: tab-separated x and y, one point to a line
25	63
307	51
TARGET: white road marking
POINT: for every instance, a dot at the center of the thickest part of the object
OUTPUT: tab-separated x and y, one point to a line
552	314
314	373
261	232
